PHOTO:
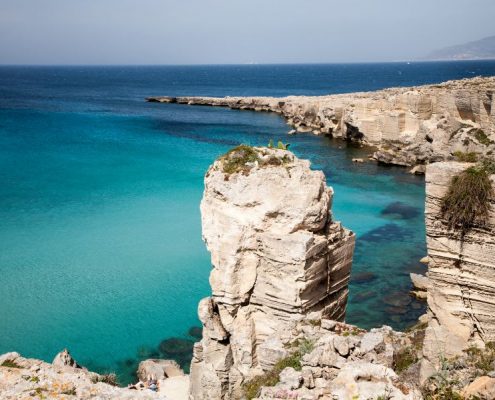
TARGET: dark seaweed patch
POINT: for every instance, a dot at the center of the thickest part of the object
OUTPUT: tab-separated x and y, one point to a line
401	210
386	233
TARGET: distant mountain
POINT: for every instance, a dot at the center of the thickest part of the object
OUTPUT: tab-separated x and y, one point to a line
477	50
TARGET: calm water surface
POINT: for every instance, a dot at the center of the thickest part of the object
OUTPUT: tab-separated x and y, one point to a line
100	236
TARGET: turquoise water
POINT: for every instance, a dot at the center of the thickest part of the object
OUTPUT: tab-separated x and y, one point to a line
100	237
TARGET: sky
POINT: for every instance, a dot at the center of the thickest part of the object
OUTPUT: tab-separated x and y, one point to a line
235	31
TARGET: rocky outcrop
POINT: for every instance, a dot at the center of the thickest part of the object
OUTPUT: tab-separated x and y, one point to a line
158	370
461	272
277	255
411	126
25	378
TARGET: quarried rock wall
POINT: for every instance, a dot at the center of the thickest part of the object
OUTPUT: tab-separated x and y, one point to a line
461	271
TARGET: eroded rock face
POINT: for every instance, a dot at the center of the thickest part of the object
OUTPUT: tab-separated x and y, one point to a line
461	272
276	254
411	126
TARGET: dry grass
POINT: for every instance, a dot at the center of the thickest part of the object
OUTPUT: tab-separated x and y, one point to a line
467	201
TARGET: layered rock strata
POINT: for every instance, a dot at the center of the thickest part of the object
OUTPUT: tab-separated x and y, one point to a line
461	272
276	254
410	126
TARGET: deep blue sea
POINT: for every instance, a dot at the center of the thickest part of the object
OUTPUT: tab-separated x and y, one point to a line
100	236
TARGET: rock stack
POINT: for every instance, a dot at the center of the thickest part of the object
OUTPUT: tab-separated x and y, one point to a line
277	255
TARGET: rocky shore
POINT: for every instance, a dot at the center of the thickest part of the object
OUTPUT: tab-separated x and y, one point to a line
410	126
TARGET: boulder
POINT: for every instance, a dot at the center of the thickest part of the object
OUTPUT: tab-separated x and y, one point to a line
64	359
158	369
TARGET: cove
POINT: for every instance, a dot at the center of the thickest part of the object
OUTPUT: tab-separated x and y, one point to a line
100	237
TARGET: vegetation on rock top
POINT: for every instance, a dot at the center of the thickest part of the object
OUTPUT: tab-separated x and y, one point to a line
242	158
467	201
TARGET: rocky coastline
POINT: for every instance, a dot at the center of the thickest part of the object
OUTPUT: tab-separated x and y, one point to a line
274	325
410	126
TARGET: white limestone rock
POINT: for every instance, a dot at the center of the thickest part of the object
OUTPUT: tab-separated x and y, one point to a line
277	256
461	271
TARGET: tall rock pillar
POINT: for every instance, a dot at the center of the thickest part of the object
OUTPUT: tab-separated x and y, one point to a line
277	254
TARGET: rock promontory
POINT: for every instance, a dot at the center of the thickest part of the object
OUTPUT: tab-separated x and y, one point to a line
411	126
277	255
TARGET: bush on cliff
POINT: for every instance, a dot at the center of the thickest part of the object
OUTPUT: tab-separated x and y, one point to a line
467	201
235	160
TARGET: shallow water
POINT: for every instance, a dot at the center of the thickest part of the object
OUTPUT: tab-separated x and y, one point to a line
100	241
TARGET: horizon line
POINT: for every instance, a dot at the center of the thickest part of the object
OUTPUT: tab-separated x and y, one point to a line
240	64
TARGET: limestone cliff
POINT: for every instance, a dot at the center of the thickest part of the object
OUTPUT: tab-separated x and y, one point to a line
276	254
461	271
414	125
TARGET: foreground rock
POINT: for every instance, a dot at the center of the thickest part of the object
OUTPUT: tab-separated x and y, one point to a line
461	272
411	126
23	378
277	255
332	360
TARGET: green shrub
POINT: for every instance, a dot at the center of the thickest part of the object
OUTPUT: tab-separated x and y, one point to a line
482	137
236	159
404	358
467	200
253	387
466	156
482	359
10	364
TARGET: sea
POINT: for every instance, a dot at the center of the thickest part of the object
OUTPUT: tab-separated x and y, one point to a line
100	233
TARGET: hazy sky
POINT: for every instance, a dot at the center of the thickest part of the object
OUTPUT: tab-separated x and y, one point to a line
234	31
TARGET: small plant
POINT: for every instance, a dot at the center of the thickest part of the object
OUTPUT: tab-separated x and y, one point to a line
385	396
270	144
283	146
236	159
482	137
110	379
482	359
467	201
10	364
253	387
466	156
404	358
69	392
315	322
34	379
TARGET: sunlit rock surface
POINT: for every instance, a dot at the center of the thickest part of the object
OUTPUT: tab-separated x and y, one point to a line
277	255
